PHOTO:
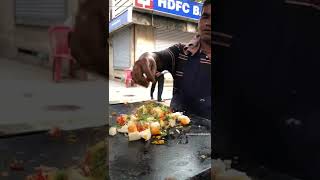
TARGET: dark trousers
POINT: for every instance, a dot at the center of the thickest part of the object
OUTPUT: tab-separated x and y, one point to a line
160	81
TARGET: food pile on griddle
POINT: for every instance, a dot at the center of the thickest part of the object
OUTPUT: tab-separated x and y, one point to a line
151	121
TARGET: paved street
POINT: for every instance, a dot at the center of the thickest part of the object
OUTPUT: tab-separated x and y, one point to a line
31	101
118	93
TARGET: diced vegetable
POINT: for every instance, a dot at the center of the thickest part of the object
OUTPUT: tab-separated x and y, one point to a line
157	111
184	120
172	122
150	119
146	134
155	128
133	118
112	131
121	120
162	123
141	126
158	141
123	129
132	127
163	133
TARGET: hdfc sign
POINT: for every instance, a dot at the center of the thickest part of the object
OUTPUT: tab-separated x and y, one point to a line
147	4
183	8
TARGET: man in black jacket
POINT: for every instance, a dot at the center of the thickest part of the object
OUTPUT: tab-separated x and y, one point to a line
266	93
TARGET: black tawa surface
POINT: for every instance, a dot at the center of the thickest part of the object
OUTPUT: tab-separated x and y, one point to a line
183	157
41	149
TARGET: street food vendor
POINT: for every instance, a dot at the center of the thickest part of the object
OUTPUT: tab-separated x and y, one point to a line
190	66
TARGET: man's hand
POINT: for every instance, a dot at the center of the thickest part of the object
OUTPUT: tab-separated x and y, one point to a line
144	70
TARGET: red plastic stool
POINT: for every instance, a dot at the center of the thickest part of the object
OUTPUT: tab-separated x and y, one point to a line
128	78
60	51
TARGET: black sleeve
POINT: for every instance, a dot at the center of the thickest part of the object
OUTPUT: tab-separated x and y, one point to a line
168	58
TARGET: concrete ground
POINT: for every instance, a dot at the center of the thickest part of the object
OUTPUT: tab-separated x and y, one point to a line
31	101
118	93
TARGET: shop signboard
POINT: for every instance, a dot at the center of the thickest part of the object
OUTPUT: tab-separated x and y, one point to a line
124	19
181	8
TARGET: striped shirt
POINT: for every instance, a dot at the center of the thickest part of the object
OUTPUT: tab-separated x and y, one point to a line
191	71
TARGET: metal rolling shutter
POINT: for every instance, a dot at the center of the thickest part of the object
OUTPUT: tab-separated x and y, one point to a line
121	48
165	38
40	12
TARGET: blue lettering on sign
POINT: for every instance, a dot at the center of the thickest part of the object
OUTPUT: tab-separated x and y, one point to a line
184	8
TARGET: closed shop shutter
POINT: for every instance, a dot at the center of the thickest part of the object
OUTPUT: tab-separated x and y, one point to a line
165	38
40	12
121	42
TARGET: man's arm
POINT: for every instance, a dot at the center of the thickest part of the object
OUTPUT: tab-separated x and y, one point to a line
151	62
167	58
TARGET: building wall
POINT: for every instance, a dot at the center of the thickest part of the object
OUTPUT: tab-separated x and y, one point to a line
143	36
7	28
116	73
35	37
119	6
144	40
111	71
14	36
32	38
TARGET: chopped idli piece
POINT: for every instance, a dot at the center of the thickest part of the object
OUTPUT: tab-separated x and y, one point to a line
146	134
155	128
172	122
133	136
133	118
184	120
132	127
176	114
162	123
112	131
123	129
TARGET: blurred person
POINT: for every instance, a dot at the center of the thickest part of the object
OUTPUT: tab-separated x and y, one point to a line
88	41
159	78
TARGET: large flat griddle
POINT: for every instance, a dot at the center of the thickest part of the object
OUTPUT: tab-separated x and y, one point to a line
37	149
179	158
